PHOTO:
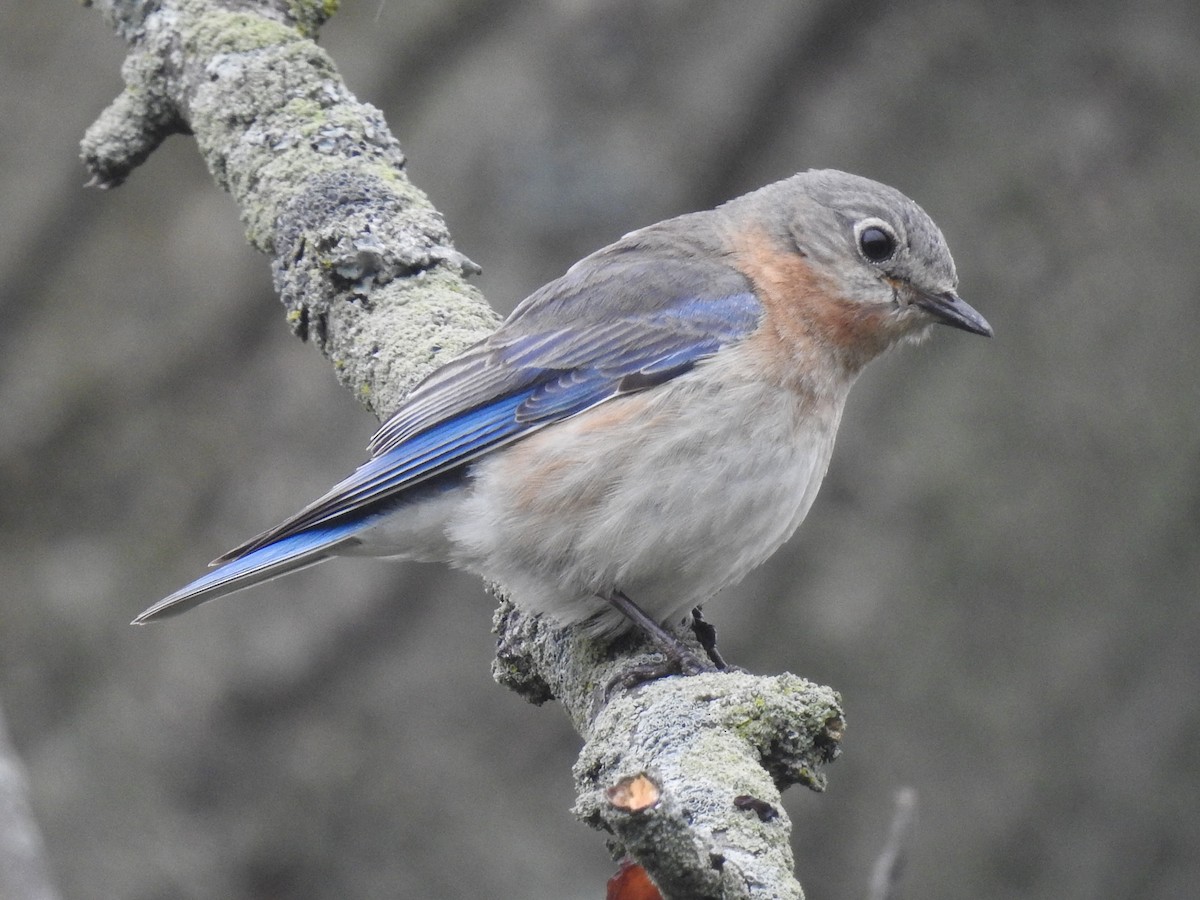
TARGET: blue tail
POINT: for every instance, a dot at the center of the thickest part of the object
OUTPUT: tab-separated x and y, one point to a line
290	554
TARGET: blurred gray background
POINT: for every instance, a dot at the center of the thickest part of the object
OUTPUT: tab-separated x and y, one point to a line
1000	574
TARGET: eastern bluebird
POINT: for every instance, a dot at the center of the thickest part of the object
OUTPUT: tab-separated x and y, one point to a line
650	426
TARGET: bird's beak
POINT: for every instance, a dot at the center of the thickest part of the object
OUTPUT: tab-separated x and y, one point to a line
950	309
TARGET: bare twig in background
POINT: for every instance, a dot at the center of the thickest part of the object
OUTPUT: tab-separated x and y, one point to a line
885	877
23	870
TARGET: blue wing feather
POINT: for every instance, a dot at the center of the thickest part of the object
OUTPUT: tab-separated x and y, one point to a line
448	444
555	357
630	316
282	557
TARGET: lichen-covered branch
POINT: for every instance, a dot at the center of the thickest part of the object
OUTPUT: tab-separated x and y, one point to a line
684	774
713	751
362	260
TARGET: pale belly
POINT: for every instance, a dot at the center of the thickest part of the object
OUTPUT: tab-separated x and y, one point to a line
667	496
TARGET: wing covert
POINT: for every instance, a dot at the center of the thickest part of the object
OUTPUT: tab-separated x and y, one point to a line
566	349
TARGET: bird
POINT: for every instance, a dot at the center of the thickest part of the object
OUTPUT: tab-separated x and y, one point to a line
646	429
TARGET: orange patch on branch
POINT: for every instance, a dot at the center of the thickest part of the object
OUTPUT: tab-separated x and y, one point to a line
634	794
631	883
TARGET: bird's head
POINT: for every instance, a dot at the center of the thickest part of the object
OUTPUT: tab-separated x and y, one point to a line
882	263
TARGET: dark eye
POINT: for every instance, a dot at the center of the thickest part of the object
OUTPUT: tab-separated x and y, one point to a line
876	244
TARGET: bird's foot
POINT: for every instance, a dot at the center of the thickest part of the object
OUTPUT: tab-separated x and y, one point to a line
683	663
706	634
678	657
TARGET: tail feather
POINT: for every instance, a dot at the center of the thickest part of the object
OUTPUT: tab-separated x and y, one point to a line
298	551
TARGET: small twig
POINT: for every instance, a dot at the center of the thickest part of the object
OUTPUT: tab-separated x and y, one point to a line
23	869
885	877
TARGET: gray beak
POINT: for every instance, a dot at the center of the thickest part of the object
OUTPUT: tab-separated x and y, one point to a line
950	309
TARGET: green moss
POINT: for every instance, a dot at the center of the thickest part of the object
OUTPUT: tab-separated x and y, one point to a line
227	32
310	15
303	108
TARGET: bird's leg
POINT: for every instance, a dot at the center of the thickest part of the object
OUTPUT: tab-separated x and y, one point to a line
706	634
679	656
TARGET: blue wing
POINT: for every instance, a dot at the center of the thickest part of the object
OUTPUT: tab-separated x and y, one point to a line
616	323
282	557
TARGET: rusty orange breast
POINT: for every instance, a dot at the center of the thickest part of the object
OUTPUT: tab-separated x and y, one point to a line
807	320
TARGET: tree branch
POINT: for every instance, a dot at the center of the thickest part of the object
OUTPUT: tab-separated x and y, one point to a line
362	261
367	271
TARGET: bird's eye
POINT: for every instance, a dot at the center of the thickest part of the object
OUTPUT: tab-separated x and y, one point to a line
876	244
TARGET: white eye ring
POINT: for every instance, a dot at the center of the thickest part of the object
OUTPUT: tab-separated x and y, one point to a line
876	240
